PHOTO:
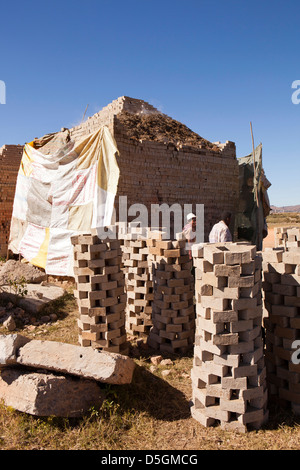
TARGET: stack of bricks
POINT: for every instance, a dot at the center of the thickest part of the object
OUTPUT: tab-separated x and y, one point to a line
100	293
138	281
228	373
173	311
287	237
281	288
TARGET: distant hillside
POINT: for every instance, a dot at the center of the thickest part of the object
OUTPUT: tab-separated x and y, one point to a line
277	210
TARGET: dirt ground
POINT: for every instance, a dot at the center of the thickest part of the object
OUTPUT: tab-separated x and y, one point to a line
269	241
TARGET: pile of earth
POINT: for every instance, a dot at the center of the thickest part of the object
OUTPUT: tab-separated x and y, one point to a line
159	127
15	271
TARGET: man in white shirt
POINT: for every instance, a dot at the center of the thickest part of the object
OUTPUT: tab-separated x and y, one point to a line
220	232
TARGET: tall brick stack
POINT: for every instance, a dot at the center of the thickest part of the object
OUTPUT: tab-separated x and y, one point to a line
281	287
100	293
173	311
228	374
287	237
138	280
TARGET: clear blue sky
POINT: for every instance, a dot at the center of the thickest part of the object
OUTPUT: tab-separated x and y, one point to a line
214	65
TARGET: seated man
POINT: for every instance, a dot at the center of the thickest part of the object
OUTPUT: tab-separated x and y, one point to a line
220	232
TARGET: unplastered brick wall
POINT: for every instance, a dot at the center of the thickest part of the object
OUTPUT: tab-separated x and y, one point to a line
10	158
162	161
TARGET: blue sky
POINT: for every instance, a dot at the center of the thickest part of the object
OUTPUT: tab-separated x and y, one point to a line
214	65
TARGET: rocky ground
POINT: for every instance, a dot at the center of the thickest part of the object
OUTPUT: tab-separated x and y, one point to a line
25	291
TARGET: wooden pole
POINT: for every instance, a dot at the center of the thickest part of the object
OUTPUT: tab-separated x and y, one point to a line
84	113
254	165
258	228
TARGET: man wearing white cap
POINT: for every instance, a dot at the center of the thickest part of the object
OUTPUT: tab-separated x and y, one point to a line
189	231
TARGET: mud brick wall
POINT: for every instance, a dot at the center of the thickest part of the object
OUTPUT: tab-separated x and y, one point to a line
281	291
173	311
100	293
228	374
10	158
159	171
286	237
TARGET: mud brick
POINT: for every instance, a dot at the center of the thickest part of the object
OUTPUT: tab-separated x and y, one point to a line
251	415
273	255
245	371
250	291
243	304
241	325
216	304
225	339
229	360
295	322
290	279
212	254
231	383
250	335
241	281
224	316
291	257
292	301
280	268
250	313
198	415
226	293
216	390
223	270
288	333
252	393
234	406
248	268
211	279
284	310
242	347
175	253
272	277
207	325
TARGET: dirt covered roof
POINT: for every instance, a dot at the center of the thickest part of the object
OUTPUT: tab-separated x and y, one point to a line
159	127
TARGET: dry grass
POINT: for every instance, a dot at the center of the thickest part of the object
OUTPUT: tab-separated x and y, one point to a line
151	413
284	219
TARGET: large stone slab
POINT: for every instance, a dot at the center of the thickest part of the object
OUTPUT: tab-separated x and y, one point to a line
81	361
9	346
36	298
46	394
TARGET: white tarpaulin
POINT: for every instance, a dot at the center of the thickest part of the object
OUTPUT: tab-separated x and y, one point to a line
60	195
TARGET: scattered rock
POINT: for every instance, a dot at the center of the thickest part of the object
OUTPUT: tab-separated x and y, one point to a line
10	323
166	362
45	319
165	372
156	360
